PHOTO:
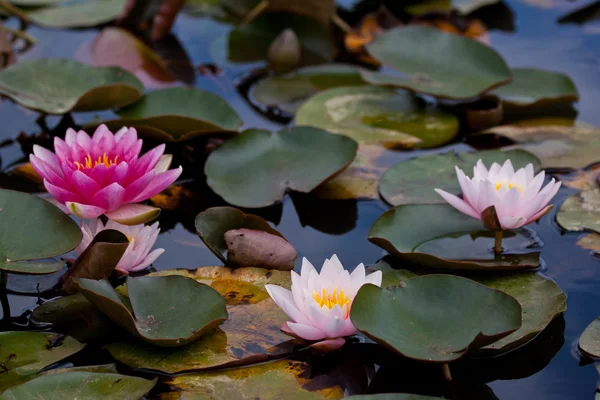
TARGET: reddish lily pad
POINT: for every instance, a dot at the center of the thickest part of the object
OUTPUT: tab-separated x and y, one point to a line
250	335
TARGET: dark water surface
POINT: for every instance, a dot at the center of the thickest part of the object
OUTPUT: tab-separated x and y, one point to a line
319	229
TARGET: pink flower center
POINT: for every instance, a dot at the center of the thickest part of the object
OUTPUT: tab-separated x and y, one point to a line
89	163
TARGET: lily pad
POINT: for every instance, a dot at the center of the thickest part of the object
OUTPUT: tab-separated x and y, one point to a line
81	385
25	353
581	211
250	42
22	217
84	14
438	236
284	379
212	224
555	146
371	114
590	242
432	308
63	85
250	335
298	158
589	342
178	114
414	180
533	87
443	64
166	311
289	91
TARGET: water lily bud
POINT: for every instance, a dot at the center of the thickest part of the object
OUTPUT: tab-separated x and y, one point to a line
284	53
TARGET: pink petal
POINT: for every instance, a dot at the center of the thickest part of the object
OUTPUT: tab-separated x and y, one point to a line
149	160
84	141
135	188
160	183
109	198
511	222
119	134
121	173
101	131
457	203
60	194
85	186
284	299
70	136
62	150
45	171
133	214
84	210
150	258
102	174
48	157
539	215
305	332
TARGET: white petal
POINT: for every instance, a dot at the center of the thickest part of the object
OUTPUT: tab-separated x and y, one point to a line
480	171
375	278
284	299
529	171
457	203
306	331
511	222
306	270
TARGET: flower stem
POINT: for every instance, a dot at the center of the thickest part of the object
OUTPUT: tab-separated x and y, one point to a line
447	374
4	295
498	243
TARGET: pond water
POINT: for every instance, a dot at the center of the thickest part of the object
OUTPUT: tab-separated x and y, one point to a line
320	228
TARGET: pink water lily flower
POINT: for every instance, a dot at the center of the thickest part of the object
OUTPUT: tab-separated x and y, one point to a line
319	303
141	240
516	196
104	174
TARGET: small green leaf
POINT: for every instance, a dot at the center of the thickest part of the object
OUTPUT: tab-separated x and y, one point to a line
426	319
298	159
371	114
83	14
442	64
581	211
63	85
589	341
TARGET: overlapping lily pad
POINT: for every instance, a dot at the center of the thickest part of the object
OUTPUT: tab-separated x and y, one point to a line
81	385
25	353
589	341
83	14
289	91
166	311
442	64
250	335
432	309
298	159
63	85
581	211
178	114
438	236
556	146
414	180
22	217
533	87
371	114
212	224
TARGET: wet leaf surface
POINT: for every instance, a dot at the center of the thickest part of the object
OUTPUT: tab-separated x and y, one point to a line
250	335
370	114
259	249
438	236
430	307
166	311
178	114
581	211
414	180
81	385
591	242
589	342
83	14
443	64
64	85
297	159
23	354
55	234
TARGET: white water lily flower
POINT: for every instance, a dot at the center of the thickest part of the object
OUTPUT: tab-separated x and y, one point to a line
319	304
516	196
141	240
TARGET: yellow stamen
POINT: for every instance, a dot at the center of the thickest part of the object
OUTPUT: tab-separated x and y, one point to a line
331	299
101	160
499	185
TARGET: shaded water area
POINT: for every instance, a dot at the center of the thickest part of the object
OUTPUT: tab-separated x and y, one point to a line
320	228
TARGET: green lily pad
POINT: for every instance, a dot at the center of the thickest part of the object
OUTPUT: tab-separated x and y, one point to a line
63	85
178	114
414	180
443	64
589	342
24	217
555	146
581	211
298	158
533	87
250	335
438	236
81	385
23	354
432	308
84	14
289	91
284	379
590	242
212	224
371	114
166	311
250	42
